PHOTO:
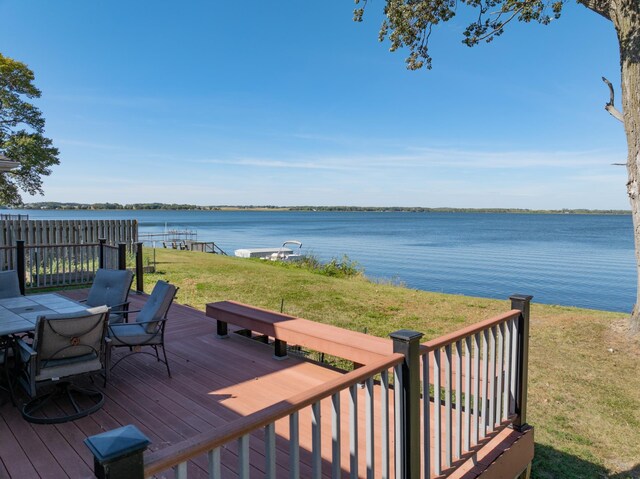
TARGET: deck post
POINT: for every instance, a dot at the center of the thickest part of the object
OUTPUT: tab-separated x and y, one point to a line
139	269
522	303
122	255
20	266
101	242
407	342
118	454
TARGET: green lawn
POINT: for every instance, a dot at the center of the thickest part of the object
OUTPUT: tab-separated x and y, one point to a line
584	377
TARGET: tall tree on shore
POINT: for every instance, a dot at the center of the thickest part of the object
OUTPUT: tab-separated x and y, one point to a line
409	24
22	134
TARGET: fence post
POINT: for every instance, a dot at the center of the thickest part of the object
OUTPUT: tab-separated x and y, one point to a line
139	269
20	266
522	303
407	342
118	454
122	255
102	241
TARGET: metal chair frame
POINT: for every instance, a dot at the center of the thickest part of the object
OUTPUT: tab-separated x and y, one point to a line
34	364
159	331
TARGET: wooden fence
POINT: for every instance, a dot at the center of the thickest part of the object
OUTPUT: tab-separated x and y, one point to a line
60	232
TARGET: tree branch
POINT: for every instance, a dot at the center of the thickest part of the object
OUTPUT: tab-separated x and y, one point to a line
599	6
609	106
502	25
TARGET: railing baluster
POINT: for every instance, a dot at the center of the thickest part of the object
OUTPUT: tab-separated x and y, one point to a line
34	266
353	431
45	260
514	365
316	444
81	255
180	470
66	269
398	408
476	387
51	253
214	464
58	257
507	370
370	433
492	378
294	446
30	267
270	450
335	436
467	394
243	457
499	372
426	416
448	430
384	423
437	406
485	382
458	388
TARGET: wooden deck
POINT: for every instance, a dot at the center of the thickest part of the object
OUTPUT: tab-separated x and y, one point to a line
214	382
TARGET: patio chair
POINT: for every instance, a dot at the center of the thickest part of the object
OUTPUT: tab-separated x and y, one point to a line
9	284
148	328
111	288
65	346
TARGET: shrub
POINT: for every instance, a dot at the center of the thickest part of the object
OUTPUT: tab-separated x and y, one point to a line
344	268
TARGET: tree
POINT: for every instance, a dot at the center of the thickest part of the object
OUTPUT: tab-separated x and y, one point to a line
409	23
22	134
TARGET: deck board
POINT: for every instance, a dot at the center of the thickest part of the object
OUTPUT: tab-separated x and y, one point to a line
214	381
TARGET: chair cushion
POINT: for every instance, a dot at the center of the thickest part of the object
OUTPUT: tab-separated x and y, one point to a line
9	284
157	305
132	335
115	318
60	368
110	287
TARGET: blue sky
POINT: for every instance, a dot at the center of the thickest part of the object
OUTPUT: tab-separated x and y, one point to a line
292	103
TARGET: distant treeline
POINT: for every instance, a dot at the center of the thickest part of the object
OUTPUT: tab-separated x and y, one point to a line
412	209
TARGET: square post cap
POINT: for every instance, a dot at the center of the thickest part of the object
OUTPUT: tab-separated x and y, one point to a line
406	335
521	297
117	443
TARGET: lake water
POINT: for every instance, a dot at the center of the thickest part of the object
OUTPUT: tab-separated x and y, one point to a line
572	260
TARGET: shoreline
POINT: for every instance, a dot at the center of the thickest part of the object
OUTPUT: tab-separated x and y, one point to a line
52	206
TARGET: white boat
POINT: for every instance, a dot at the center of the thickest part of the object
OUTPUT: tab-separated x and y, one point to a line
283	253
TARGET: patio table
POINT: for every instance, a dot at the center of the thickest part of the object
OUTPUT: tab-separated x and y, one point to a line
19	314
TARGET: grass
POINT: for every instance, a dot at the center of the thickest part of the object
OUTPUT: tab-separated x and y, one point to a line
584	376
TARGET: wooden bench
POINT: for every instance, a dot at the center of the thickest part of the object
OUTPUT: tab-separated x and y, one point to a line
357	347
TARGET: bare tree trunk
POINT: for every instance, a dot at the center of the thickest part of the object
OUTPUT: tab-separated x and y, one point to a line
625	15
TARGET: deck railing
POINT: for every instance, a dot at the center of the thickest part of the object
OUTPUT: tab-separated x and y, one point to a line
42	266
475	379
241	430
451	396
